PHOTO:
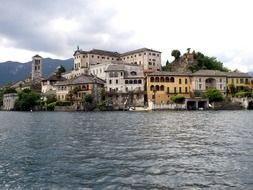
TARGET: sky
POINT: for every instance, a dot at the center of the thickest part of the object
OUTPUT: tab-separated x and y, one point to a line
218	28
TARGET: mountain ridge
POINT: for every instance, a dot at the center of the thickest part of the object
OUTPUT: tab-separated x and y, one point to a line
11	71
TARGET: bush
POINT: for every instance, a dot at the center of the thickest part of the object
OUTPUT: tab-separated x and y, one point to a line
63	103
51	106
88	98
243	94
27	100
178	99
214	95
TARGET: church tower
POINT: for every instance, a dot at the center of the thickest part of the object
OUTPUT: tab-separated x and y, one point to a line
37	67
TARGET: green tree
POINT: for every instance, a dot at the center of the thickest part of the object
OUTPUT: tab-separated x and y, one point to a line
1	98
178	99
27	100
61	69
176	54
214	95
51	98
88	98
8	90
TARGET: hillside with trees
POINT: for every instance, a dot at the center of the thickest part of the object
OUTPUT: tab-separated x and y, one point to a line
193	61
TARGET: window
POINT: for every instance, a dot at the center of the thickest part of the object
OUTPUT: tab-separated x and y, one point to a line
110	81
186	81
168	90
131	56
172	79
126	89
145	53
233	81
180	90
180	81
92	56
241	81
221	86
103	57
186	90
199	79
157	87
200	86
220	80
175	90
139	81
117	81
139	54
140	62
130	82
162	88
150	63
126	81
133	73
151	88
135	81
121	73
98	57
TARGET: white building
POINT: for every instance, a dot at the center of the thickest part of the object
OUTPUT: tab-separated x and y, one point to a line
204	79
84	61
125	85
49	83
9	101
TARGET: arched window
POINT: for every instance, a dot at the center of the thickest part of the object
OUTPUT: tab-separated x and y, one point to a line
152	79
172	79
151	87
157	87
162	79
133	73
126	81
162	88
157	79
135	81
167	79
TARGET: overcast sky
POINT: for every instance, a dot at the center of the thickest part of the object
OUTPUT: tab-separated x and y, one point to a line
220	28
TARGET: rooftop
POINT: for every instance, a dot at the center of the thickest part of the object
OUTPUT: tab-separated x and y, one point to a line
82	79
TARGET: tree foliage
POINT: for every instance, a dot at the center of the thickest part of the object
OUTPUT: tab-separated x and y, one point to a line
8	90
213	95
88	98
178	99
27	100
176	54
204	62
61	69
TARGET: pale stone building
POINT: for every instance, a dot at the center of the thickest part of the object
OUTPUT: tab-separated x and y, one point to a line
9	101
75	89
36	67
149	59
204	79
125	85
49	83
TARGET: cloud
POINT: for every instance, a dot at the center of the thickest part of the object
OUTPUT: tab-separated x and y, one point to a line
217	28
59	26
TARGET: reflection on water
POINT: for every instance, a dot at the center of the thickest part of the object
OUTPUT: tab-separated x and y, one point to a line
126	150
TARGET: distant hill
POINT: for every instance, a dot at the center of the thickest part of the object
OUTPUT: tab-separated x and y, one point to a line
13	71
251	73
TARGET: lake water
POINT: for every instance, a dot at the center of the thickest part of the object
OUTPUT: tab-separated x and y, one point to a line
126	150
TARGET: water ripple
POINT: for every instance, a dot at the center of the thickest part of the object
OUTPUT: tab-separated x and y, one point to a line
124	150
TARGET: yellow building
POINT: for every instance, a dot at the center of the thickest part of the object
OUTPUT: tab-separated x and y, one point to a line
238	79
161	86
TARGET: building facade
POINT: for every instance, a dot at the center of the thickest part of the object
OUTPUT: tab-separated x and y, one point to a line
9	101
75	89
36	67
161	86
49	83
125	85
205	79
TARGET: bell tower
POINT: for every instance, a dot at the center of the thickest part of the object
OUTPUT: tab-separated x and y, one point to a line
36	67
